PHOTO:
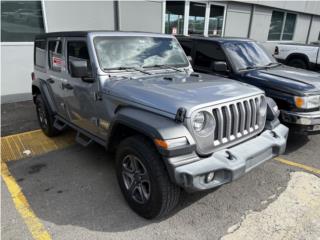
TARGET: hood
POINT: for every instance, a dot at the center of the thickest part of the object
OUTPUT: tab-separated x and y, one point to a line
170	92
287	79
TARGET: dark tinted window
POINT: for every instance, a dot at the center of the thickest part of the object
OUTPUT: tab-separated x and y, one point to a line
174	17
40	53
77	50
20	20
187	46
55	55
207	53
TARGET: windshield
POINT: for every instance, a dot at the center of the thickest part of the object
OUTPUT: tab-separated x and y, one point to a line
138	52
247	55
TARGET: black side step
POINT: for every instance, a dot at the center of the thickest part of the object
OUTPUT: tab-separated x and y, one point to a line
60	125
83	139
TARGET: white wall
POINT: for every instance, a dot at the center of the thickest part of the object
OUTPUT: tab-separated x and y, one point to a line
16	68
315	29
79	15
301	29
260	23
237	20
140	16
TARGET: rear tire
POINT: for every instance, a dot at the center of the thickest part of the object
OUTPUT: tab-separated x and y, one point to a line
45	119
143	178
298	63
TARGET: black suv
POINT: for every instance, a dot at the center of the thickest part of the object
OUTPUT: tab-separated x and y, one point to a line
296	91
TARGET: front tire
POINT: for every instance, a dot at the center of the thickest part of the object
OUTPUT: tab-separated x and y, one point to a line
45	119
143	178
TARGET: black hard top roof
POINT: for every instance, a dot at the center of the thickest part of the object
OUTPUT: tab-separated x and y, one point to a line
215	39
80	33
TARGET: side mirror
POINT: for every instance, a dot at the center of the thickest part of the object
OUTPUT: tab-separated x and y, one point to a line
79	69
189	58
220	66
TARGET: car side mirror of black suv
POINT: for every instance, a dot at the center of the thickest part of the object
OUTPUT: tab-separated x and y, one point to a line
79	69
220	66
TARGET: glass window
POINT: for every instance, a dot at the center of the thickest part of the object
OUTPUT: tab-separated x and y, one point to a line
289	26
117	52
78	50
216	20
196	18
276	25
55	55
282	26
174	17
187	46
247	55
20	21
40	53
207	53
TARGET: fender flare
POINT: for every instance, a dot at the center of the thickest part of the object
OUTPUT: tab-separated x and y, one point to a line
151	125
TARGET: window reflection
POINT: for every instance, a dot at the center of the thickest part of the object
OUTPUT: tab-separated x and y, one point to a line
196	18
216	20
174	17
248	54
20	20
115	52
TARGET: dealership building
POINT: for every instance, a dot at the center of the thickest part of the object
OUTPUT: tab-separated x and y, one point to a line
269	22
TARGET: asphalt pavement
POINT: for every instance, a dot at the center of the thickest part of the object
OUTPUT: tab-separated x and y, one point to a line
74	193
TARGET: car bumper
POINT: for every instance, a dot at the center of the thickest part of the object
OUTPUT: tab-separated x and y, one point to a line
307	121
245	157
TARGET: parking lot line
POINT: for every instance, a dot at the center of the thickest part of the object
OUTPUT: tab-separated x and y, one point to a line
32	143
298	165
34	225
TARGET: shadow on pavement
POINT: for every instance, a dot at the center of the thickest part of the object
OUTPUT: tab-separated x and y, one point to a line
77	186
295	142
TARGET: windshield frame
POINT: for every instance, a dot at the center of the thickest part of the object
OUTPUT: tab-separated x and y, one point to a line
128	35
232	60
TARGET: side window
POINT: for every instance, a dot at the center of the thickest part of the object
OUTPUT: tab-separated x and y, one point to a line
187	46
40	53
78	50
55	55
207	53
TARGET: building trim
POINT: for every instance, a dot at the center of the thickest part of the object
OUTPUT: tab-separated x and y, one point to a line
309	29
44	16
251	19
116	14
163	27
17	97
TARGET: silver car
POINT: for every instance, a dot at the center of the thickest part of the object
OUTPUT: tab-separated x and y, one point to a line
170	128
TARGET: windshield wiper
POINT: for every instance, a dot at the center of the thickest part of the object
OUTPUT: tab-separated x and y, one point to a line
164	66
128	68
272	64
249	68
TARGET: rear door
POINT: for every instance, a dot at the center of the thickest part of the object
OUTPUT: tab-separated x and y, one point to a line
54	79
80	95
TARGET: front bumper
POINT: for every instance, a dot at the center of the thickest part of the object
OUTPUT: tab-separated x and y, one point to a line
302	121
230	164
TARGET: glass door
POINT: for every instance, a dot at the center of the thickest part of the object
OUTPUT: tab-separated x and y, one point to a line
216	20
174	17
196	18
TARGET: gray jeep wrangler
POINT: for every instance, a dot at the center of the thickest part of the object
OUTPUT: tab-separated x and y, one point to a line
170	128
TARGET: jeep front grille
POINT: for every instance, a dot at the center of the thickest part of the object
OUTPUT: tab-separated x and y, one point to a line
237	119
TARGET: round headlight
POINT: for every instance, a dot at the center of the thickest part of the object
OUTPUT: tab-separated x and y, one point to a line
203	123
199	121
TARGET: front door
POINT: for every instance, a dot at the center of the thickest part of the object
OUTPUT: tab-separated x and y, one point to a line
56	65
79	94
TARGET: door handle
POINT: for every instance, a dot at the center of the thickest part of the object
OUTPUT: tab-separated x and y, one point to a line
67	86
50	80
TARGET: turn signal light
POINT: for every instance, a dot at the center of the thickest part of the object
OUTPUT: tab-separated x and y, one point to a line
299	102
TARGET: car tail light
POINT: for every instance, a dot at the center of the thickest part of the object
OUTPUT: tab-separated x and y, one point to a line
33	77
276	51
